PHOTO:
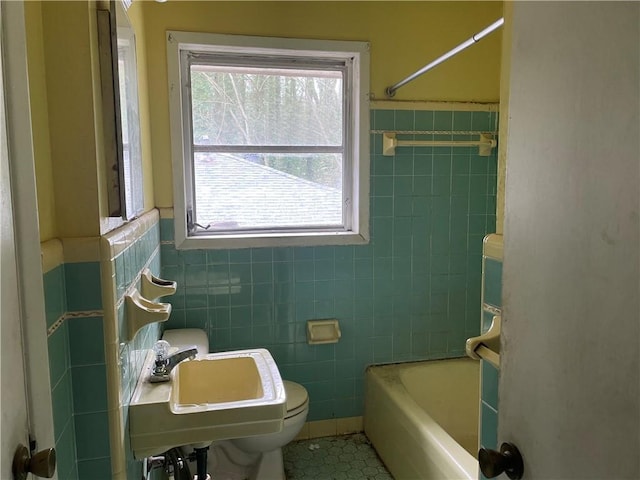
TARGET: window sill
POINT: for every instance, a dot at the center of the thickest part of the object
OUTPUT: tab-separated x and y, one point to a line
213	242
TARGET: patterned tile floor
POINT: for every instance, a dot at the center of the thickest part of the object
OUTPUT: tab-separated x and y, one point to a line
347	457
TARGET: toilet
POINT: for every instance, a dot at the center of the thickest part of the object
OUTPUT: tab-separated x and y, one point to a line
258	457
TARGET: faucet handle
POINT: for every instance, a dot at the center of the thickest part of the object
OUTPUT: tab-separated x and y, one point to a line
161	349
160	372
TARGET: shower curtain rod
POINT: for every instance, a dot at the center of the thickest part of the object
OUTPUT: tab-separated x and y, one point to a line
391	91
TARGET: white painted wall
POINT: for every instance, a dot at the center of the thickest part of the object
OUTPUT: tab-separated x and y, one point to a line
569	392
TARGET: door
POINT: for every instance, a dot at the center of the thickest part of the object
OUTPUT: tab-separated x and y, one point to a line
15	428
569	385
24	368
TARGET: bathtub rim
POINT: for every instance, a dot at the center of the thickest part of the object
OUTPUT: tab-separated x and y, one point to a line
457	457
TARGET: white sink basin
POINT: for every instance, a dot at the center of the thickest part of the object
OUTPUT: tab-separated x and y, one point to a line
221	395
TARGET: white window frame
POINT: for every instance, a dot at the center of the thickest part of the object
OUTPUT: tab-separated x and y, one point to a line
356	147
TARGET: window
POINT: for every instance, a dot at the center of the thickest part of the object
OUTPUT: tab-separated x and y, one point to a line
270	141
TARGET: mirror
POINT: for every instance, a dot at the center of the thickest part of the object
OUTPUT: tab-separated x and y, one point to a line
121	112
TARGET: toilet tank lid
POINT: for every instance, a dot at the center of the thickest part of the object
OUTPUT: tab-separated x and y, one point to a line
296	395
183	337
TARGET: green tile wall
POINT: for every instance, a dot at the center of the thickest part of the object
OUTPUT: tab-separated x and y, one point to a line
88	372
128	265
66	455
489	432
493	282
490	385
77	359
55	296
97	469
83	286
60	374
86	359
492	278
78	379
412	293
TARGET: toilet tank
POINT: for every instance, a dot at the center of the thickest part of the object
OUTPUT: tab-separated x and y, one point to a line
184	337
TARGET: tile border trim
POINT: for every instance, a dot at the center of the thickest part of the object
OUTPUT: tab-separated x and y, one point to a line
51	254
493	246
491	309
77	314
436	106
330	427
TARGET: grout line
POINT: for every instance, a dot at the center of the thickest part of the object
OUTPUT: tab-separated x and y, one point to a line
53	387
78	459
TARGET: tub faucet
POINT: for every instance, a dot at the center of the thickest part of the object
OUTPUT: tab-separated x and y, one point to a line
165	363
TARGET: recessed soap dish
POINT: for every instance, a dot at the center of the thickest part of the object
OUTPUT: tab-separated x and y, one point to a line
142	311
323	331
152	287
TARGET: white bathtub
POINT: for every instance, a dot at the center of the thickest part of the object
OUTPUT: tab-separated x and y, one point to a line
422	418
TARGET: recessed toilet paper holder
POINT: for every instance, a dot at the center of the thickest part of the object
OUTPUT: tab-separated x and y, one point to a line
323	331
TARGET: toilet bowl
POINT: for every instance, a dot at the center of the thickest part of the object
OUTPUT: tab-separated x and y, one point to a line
258	457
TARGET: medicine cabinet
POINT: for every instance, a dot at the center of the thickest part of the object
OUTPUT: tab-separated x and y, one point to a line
119	80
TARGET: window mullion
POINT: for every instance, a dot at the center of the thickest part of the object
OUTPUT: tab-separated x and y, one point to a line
266	61
266	149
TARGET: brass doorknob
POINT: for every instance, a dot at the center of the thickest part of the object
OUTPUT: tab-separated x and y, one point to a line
41	464
507	460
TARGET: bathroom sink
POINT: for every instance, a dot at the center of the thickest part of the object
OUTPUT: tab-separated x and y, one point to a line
214	397
235	379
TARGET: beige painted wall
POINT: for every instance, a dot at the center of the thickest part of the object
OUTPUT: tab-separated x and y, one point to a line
66	107
404	36
40	121
68	54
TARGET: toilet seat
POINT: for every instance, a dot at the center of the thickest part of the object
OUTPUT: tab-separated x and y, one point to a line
297	398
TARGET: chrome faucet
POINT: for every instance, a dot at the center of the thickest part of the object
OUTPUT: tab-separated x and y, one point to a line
165	362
